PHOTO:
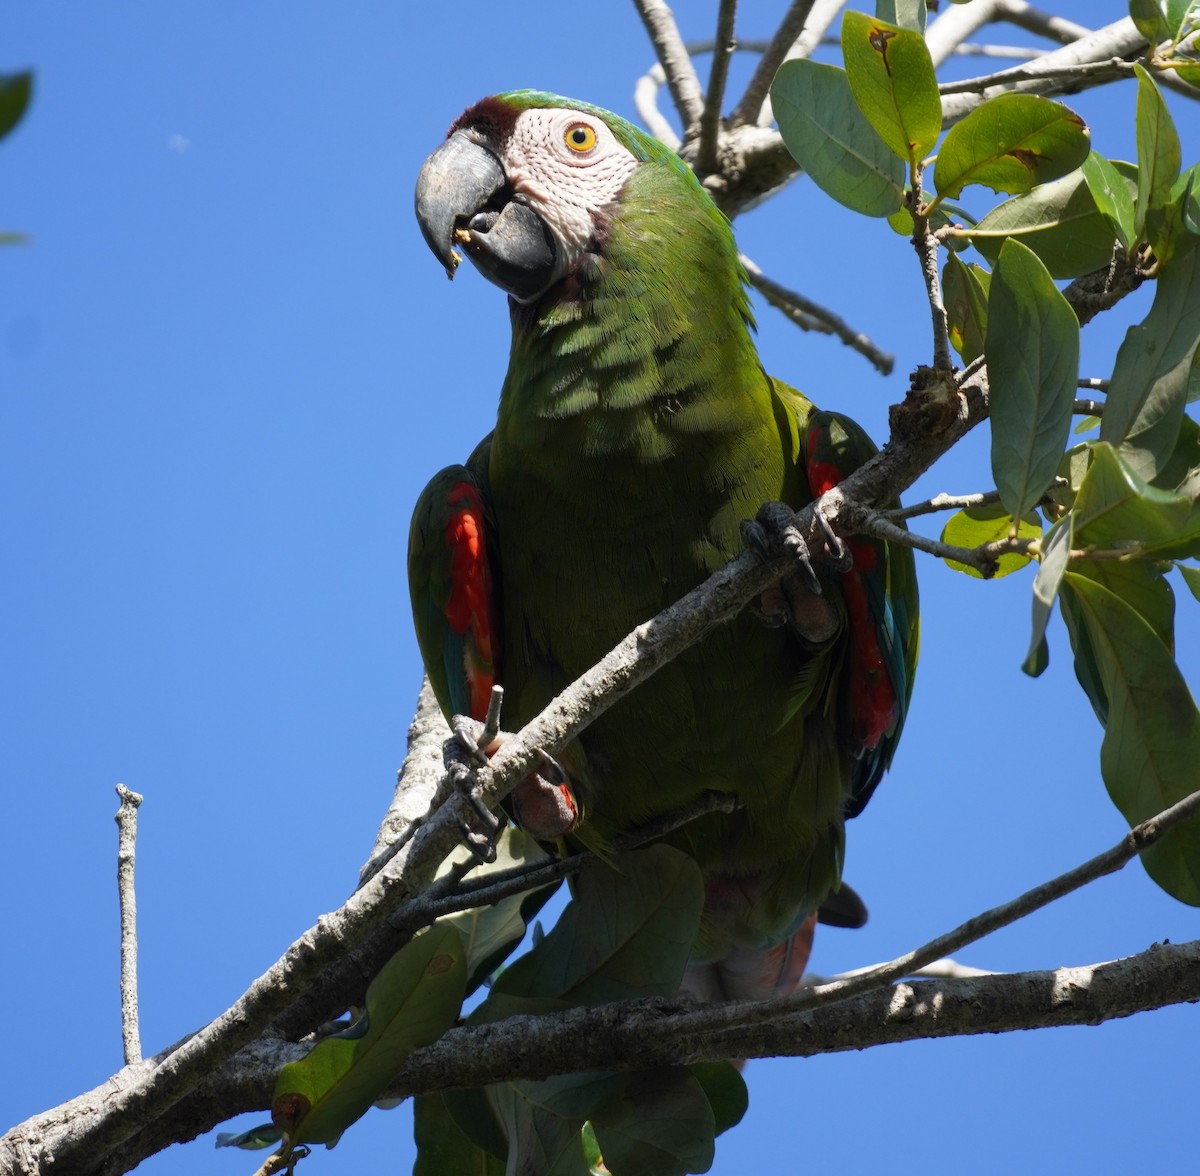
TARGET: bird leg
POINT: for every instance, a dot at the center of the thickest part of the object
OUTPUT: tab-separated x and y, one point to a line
798	599
462	754
543	803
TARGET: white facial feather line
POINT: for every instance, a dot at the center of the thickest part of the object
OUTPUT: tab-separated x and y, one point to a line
564	187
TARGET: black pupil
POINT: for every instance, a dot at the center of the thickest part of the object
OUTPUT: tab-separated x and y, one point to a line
579	135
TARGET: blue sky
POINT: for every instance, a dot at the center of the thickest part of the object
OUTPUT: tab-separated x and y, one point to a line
228	364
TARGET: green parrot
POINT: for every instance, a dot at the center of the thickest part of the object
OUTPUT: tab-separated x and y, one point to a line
637	431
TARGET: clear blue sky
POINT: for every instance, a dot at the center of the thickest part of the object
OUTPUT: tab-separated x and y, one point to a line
228	364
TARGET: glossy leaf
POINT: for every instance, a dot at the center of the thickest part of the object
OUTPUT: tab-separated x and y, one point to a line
1032	349
15	91
985	524
1153	371
964	293
831	139
1152	735
892	76
1113	198
1010	144
1116	508
413	1001
1151	20
1056	552
1158	151
1059	221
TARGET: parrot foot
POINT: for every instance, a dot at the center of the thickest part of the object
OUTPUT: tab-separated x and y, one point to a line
797	600
544	803
463	754
773	532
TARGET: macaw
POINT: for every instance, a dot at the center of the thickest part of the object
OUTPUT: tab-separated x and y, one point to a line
636	431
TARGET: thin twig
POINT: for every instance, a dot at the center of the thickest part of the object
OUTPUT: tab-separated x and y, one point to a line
926	246
677	64
984	558
126	856
710	120
1044	24
1139	838
790	28
811	316
942	502
1094	383
1088	408
446	899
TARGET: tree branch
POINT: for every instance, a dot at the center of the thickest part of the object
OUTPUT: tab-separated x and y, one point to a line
676	62
710	121
126	858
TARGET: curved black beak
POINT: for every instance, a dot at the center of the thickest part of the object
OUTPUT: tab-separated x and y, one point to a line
463	198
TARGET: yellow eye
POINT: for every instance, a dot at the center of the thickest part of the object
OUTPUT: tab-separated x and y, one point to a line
580	138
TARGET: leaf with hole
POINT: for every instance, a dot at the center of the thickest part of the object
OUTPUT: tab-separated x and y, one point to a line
1011	143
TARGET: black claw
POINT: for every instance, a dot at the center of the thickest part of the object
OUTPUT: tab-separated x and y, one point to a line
551	770
467	734
839	555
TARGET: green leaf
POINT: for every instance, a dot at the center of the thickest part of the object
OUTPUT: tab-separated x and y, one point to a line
15	92
541	1138
1158	153
1152	736
965	292
442	1147
1010	144
1181	14
1153	371
831	139
985	524
413	1001
1151	20
627	933
909	14
1191	577
662	1126
1056	552
725	1089
1059	221
490	933
1116	508
1113	198
892	76
1032	349
255	1139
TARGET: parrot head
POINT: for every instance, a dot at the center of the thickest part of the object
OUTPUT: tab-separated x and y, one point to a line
522	184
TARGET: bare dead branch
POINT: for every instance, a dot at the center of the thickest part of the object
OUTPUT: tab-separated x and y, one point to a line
811	316
780	45
127	895
710	120
676	62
